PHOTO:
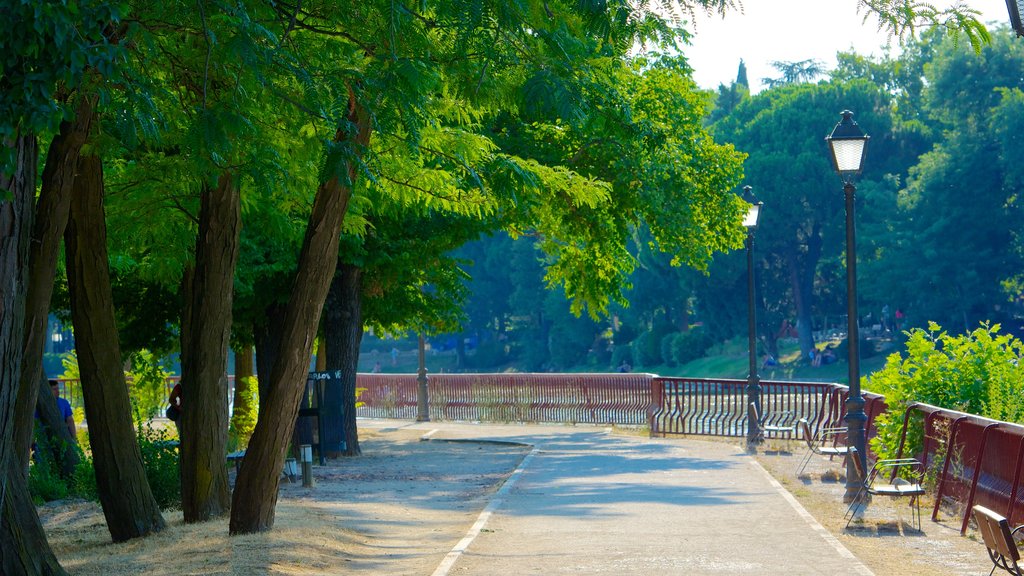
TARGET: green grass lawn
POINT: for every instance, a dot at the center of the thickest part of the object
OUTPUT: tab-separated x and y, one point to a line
732	362
728	360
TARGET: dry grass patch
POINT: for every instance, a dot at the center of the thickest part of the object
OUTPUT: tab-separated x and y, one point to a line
397	510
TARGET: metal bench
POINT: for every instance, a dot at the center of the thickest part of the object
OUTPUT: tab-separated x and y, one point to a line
817	444
1002	548
895	478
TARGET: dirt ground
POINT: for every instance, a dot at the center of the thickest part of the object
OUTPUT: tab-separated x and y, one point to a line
884	538
399	509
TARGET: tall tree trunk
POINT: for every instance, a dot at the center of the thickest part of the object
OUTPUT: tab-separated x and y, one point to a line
24	549
256	489
23	546
124	492
343	328
801	277
268	341
51	218
204	382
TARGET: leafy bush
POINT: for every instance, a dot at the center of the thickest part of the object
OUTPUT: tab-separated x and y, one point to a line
980	373
83	482
867	348
690	345
489	354
622	352
666	349
569	340
243	417
44	481
647	346
148	383
160	459
70	363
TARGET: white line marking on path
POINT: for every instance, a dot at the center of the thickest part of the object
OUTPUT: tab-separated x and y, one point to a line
429	434
814	524
499	498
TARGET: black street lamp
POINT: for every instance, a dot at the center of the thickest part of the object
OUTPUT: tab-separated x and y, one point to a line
846	144
753	382
1016	8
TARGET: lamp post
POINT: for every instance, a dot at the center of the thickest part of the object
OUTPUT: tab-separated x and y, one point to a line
753	382
1016	9
846	145
422	401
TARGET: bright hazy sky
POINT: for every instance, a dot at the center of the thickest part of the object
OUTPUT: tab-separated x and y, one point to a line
791	31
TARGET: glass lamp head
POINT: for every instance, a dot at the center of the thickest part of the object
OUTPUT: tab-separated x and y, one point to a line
847	144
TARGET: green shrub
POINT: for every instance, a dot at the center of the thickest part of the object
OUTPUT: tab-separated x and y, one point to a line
243	417
82	483
148	383
690	345
622	352
647	346
867	349
44	481
160	459
980	373
489	354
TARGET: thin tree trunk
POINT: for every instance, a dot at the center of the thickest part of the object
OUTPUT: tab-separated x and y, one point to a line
57	439
343	329
204	382
801	277
256	489
124	492
51	218
23	546
321	355
243	402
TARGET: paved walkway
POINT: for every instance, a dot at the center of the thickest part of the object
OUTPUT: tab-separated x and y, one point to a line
587	502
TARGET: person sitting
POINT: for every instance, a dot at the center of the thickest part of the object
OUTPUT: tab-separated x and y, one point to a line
815	356
828	356
769	361
625	367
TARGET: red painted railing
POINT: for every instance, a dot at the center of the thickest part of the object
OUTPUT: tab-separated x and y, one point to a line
512	397
977	460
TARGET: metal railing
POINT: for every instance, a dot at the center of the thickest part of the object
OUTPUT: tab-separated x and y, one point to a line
972	460
718	407
512	397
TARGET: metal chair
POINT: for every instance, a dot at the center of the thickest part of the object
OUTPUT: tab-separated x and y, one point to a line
999	540
784	423
895	478
817	444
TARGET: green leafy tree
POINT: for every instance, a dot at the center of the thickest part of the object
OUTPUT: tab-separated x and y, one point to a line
942	254
47	55
801	233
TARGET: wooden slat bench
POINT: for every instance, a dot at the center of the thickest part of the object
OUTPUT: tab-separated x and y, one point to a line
1002	548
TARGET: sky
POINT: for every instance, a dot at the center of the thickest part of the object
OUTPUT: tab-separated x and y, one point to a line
792	31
